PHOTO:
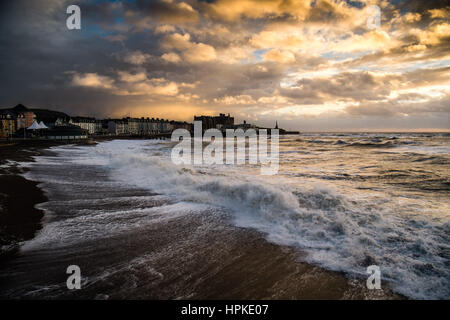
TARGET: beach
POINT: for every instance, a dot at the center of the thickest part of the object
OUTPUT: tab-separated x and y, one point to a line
19	219
226	262
141	228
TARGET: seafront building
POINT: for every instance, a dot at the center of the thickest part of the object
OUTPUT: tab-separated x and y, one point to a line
21	122
84	123
144	126
7	124
16	121
221	121
116	127
133	125
12	120
66	133
29	118
99	127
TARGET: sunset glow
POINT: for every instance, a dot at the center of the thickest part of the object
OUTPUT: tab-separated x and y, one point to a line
311	65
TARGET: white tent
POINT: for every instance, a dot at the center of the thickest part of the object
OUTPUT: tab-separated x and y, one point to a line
35	125
42	125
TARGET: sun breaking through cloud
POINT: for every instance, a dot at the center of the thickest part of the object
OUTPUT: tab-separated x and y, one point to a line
311	65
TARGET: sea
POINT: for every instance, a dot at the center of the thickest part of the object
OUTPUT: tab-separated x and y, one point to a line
133	220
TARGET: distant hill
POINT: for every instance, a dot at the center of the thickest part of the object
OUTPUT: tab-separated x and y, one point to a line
41	114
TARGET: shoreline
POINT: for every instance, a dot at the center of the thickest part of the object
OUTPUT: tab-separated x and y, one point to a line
253	268
20	220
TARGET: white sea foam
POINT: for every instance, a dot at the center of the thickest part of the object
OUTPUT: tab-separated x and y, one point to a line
340	228
96	224
432	150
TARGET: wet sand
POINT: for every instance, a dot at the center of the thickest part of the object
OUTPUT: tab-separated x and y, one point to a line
19	219
185	258
237	263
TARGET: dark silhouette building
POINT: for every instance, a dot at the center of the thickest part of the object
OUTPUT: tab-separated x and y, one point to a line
218	122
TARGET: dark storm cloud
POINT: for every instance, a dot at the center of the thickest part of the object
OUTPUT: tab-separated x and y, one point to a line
419	6
165	11
37	49
395	108
355	86
246	56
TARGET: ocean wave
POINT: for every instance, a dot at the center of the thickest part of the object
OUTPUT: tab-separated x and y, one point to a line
372	144
337	231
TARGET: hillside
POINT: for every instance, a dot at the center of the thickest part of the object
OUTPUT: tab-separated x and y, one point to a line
41	114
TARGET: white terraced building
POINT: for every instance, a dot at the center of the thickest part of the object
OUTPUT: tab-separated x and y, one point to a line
84	123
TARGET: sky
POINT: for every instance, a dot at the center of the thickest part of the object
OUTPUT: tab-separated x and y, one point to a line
313	65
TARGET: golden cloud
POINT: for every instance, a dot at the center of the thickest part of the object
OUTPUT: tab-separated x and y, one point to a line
276	55
92	80
191	51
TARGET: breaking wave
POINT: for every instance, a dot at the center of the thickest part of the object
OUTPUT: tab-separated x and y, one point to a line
339	230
